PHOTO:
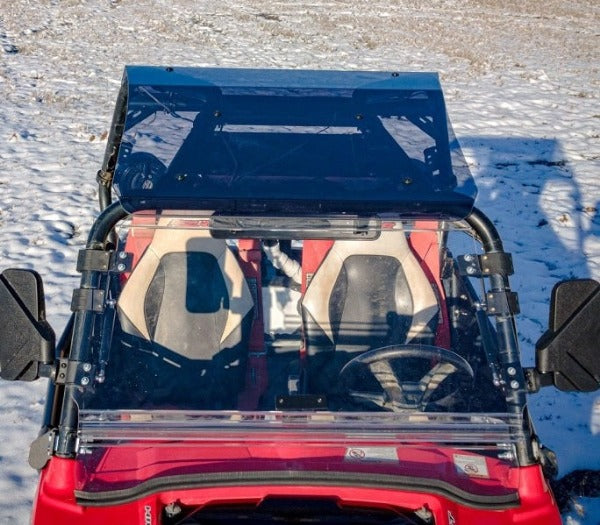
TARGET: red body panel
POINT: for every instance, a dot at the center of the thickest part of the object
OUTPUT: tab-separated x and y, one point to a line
55	503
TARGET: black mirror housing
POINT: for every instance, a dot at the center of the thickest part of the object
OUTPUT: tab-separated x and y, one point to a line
26	338
569	352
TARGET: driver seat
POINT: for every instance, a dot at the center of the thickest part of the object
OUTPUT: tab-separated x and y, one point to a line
187	307
364	295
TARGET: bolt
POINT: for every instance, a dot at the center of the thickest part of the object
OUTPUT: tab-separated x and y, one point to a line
122	255
85	380
121	267
511	371
217	113
87	367
471	270
407	181
359	117
468	257
514	385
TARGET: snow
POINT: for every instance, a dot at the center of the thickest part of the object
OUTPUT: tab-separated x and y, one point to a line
521	83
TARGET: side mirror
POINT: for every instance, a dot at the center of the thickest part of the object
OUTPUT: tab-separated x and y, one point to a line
568	354
26	339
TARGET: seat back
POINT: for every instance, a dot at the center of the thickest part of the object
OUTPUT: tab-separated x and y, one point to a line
365	295
188	304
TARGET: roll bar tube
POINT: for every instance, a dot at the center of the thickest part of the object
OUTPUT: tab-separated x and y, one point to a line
509	355
98	239
106	173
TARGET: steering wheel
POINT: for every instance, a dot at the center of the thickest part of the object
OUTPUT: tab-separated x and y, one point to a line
414	392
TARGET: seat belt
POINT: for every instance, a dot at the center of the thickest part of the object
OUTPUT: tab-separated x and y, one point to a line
257	378
424	243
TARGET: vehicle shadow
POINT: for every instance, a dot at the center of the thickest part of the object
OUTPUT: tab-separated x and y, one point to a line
545	217
549	221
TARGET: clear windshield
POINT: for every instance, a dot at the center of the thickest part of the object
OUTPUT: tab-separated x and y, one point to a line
331	337
337	314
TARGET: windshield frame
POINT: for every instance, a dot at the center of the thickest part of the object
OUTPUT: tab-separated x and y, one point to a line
86	323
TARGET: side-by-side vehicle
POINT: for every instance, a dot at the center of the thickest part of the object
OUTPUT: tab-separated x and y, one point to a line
291	312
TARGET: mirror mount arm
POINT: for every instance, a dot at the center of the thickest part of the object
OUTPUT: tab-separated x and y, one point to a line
534	380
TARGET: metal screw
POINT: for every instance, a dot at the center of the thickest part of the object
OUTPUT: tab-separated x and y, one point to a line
359	117
511	370
514	384
122	255
468	257
471	270
85	380
407	181
121	267
87	367
217	113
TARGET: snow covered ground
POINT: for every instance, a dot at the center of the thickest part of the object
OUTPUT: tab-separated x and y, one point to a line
521	80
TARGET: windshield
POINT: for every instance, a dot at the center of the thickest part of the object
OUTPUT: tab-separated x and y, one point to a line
353	344
364	315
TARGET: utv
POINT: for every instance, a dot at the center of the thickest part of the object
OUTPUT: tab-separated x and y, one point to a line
292	312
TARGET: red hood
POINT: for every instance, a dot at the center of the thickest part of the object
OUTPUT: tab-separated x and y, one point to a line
134	484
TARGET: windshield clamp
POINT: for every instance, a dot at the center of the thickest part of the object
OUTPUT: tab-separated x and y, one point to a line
88	299
89	260
502	303
495	263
